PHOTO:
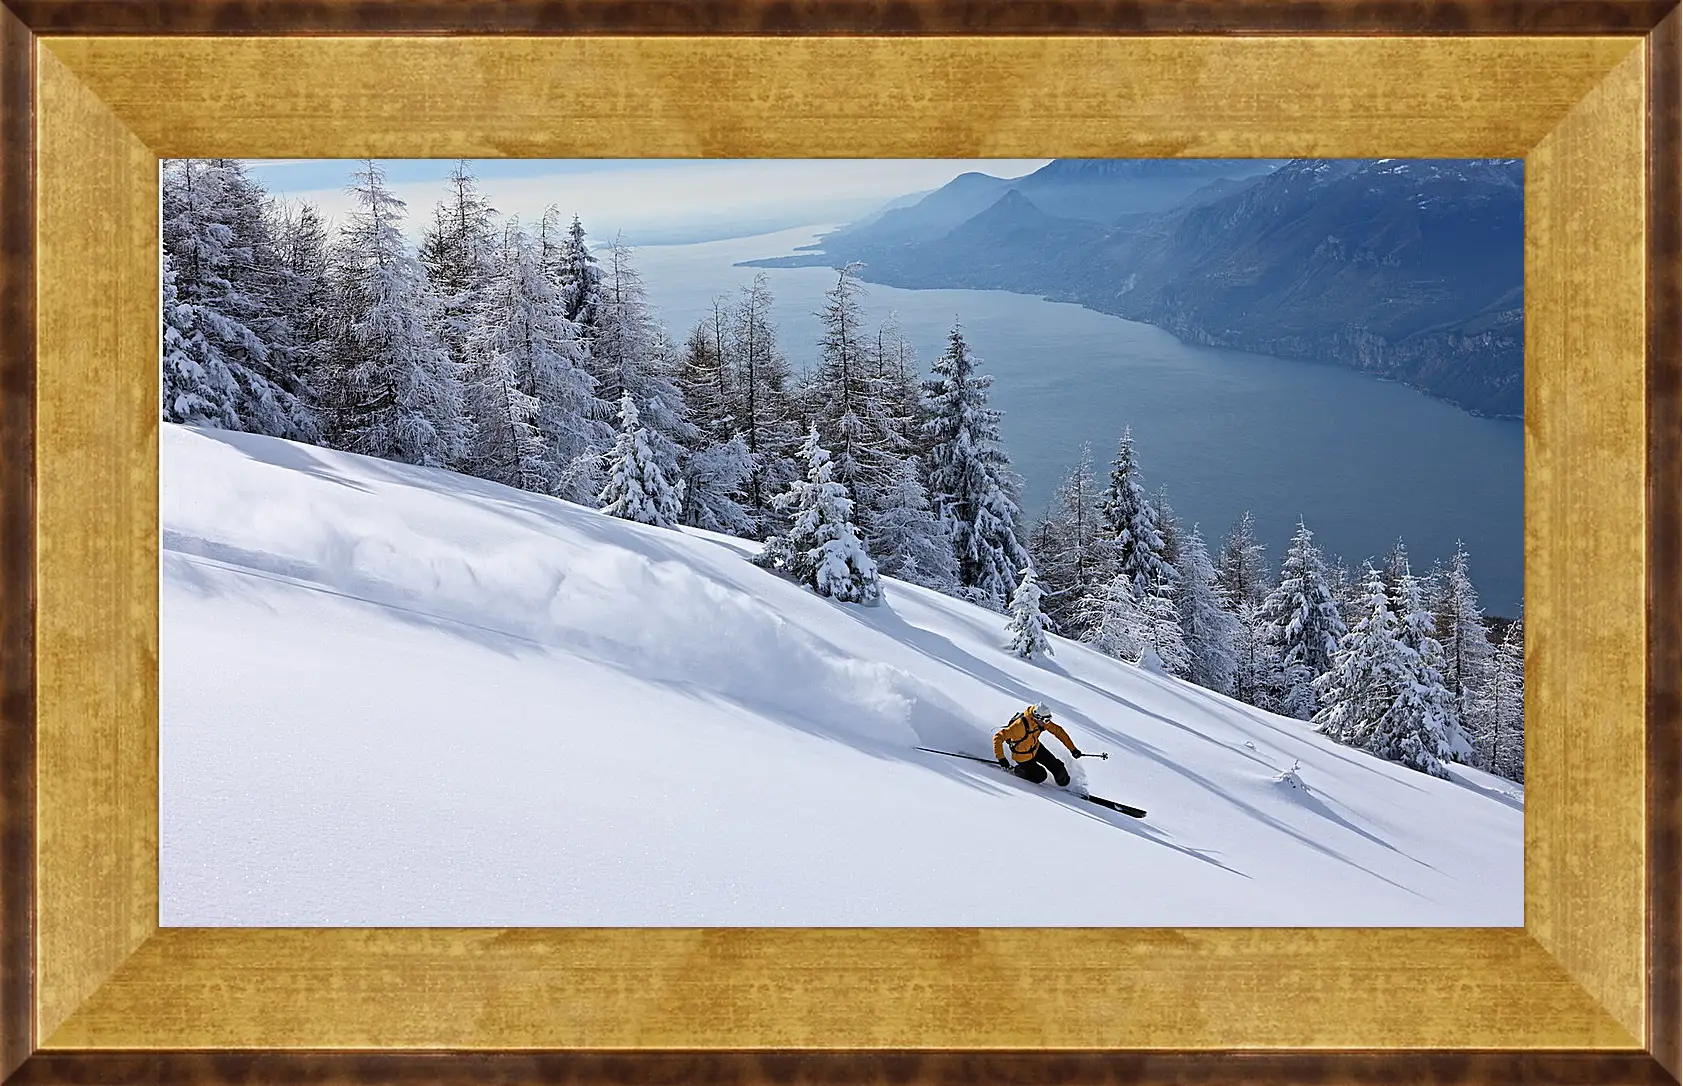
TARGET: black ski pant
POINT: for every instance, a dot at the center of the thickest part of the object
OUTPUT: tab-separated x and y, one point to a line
1035	768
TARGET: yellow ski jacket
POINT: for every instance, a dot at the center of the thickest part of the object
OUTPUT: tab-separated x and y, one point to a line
1023	736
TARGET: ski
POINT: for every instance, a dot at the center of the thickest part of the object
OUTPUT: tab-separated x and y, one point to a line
1133	812
1121	808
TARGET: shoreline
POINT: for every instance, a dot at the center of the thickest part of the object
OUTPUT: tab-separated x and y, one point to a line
818	259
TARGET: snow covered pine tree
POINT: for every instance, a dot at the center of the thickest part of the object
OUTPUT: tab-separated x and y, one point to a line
637	487
1243	568
822	548
1211	633
1366	669
628	353
458	251
1028	623
1506	694
907	540
1378	695
532	398
197	385
395	393
1302	627
852	420
1131	530
967	477
1467	651
717	465
240	370
1071	556
1165	644
1415	631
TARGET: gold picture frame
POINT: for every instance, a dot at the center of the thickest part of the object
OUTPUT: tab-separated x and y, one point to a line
95	93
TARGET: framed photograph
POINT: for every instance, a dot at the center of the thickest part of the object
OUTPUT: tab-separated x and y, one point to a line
729	542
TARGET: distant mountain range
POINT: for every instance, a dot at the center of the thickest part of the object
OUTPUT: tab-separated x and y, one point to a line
1409	269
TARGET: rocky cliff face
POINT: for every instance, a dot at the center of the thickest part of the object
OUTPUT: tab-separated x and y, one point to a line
1477	366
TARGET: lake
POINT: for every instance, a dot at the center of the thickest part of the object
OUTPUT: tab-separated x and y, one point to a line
1361	460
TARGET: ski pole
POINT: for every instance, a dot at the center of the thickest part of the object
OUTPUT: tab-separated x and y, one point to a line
1084	754
954	754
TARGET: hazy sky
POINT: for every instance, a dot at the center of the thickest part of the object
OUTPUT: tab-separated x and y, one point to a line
651	200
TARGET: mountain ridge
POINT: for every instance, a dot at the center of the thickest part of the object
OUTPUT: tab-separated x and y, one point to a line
1408	269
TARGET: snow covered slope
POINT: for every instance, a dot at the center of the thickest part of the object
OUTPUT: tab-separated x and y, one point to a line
393	696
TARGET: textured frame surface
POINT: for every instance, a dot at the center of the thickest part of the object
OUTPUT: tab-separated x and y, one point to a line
94	991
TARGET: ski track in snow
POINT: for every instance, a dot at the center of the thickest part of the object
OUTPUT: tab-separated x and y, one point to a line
395	696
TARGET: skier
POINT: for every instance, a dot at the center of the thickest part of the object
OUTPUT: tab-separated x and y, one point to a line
1032	760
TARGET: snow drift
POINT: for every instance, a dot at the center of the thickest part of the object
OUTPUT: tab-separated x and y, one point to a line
397	696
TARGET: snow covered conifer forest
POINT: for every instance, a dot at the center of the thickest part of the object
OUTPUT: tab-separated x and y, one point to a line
517	353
